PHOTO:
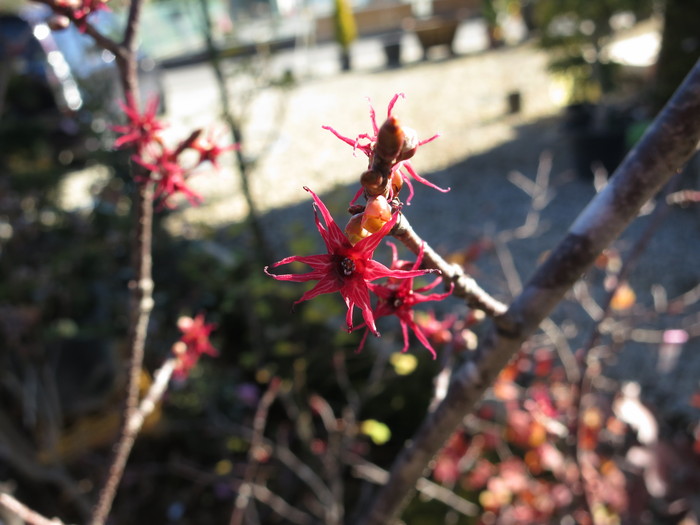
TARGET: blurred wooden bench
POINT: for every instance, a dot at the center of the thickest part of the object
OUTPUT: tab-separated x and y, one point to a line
380	18
389	18
457	9
440	29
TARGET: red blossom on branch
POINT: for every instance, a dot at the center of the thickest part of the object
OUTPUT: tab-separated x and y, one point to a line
169	178
79	10
86	8
193	343
166	169
397	297
210	150
346	268
368	144
141	128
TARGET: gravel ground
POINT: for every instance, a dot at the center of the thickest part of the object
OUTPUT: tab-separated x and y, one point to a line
463	99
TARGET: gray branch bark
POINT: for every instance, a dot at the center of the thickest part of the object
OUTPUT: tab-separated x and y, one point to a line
664	149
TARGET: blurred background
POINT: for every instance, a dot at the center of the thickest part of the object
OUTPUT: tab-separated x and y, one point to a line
536	103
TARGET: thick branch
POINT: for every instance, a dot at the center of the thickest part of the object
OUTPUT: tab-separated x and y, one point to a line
664	149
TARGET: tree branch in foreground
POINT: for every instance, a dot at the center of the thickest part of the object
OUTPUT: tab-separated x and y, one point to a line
664	149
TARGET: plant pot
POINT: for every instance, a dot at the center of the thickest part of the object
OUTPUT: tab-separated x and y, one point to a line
436	31
515	102
594	139
345	61
392	50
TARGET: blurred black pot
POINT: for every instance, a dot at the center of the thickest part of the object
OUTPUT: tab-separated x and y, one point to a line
596	137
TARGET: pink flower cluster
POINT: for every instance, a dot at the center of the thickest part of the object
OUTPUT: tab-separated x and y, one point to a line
193	343
349	266
166	167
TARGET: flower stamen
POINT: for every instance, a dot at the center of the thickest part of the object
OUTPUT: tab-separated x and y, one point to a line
347	266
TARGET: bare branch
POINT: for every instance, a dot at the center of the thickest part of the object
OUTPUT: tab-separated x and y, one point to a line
256	444
464	285
377	475
664	149
280	506
141	288
25	513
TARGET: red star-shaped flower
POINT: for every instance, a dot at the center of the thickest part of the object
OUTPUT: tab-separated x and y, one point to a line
346	268
209	148
367	143
141	128
169	177
193	343
79	10
397	297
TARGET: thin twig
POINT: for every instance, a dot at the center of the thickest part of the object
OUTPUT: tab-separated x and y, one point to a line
25	513
257	491
464	285
374	474
16	452
505	258
245	166
279	505
336	444
561	345
305	473
256	444
155	393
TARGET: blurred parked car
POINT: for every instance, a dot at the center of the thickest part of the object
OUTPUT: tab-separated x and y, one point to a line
58	89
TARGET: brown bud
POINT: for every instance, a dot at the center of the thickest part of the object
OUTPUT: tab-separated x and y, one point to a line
396	183
373	182
58	22
389	140
354	230
410	144
377	214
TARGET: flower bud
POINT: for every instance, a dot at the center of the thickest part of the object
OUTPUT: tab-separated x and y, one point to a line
179	348
373	182
354	230
390	140
184	322
410	144
396	183
377	214
58	22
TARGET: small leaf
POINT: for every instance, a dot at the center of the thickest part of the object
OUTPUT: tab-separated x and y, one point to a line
404	364
223	467
378	432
